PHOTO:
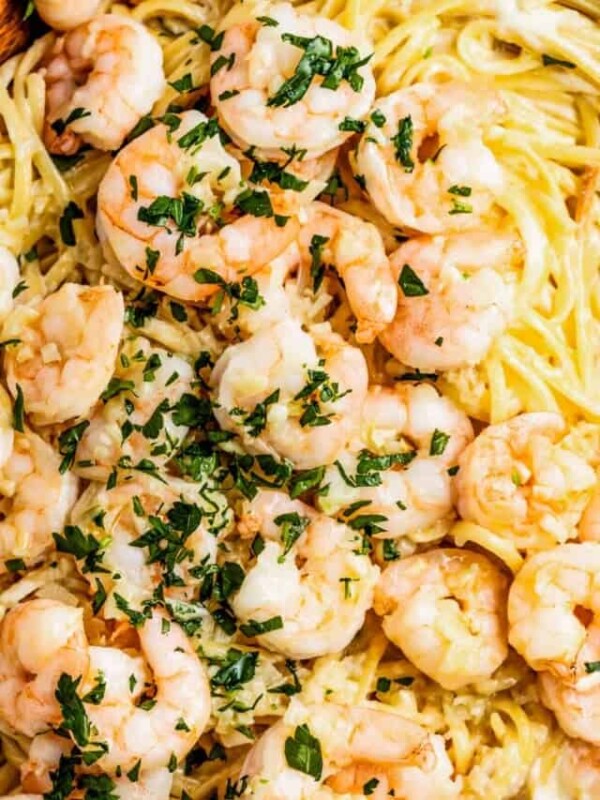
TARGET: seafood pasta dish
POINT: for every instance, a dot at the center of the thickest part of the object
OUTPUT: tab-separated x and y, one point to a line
300	400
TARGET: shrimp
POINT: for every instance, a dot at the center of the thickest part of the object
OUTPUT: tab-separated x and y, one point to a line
571	772
167	185
459	303
143	417
552	609
63	16
291	184
554	623
35	499
169	729
423	158
291	82
9	278
398	469
356	250
101	78
446	610
275	303
310	573
520	480
290	394
576	707
39	641
350	747
151	532
66	351
44	758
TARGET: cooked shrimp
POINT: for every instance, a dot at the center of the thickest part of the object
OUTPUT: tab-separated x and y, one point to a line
446	610
171	727
274	301
162	189
569	772
292	184
521	481
398	469
356	250
151	533
145	417
101	78
34	499
44	757
554	611
292	395
576	706
66	351
283	86
463	300
357	746
62	15
39	640
311	574
427	168
9	277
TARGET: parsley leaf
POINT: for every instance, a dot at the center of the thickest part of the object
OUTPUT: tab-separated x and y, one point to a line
410	283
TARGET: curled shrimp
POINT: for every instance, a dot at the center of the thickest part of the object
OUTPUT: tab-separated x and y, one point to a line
141	518
357	746
39	641
170	728
410	437
571	772
44	760
266	98
145	416
276	302
423	158
355	249
521	481
460	306
101	78
290	394
309	574
552	609
9	277
446	610
554	623
167	185
66	351
62	16
35	499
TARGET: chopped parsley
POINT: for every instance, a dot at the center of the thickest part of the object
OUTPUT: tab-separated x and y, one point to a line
403	142
317	268
410	283
67	444
303	752
19	411
319	59
65	224
255	628
439	440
